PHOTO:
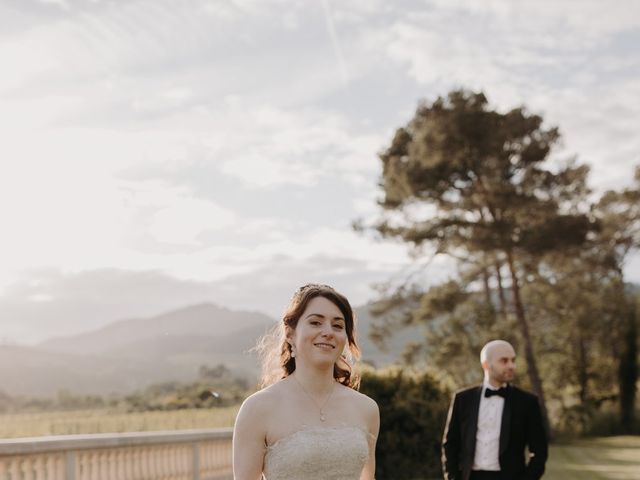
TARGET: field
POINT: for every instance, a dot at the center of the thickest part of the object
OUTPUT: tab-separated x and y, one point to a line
105	421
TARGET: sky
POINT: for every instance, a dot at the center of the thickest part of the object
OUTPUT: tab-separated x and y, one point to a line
159	153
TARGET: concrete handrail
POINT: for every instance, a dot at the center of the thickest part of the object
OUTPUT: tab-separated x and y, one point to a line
170	455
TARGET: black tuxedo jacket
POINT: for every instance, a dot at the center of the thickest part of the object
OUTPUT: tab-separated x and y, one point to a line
521	427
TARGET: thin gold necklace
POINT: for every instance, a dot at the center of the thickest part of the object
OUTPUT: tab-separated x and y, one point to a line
323	417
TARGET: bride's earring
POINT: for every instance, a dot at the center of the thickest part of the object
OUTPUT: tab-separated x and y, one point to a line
293	350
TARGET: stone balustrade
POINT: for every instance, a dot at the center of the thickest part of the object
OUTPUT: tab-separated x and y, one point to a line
169	455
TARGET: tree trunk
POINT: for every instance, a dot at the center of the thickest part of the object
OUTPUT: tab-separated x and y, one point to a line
532	366
583	380
628	369
583	376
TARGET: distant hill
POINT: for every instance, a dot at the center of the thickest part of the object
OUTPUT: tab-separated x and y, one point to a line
204	320
394	346
131	354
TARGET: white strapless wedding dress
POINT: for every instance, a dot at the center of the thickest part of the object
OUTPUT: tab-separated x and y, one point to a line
318	453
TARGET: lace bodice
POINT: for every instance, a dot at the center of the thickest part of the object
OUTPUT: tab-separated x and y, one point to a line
318	453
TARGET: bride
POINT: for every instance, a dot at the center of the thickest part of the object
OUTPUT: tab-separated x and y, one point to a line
309	422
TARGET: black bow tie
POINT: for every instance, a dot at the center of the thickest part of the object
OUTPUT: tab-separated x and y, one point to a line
501	391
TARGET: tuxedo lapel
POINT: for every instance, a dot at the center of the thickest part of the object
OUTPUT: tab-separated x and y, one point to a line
505	428
472	429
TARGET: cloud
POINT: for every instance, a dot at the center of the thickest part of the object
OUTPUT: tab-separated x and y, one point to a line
129	54
76	212
215	141
47	303
592	18
270	287
554	60
295	148
172	215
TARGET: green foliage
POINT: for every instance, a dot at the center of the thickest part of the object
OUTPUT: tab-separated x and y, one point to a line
483	172
215	387
413	409
455	341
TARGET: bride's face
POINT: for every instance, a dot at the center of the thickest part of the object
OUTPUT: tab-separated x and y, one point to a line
320	335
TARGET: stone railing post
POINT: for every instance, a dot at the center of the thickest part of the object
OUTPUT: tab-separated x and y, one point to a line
70	465
196	460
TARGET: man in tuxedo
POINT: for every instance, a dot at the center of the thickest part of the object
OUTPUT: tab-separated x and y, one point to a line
489	426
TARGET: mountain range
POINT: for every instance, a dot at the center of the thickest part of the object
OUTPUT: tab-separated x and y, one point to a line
130	354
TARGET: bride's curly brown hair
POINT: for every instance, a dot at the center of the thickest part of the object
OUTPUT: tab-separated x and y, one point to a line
275	350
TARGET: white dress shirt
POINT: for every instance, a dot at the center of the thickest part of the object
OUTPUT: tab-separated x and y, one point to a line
488	434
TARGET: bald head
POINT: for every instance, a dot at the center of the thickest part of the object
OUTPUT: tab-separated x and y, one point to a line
491	349
498	359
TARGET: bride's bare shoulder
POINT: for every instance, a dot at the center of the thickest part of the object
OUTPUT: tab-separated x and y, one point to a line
363	408
264	400
362	400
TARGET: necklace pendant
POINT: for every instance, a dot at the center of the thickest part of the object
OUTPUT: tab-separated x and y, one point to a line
322	417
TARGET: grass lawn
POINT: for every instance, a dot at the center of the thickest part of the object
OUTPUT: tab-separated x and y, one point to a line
608	458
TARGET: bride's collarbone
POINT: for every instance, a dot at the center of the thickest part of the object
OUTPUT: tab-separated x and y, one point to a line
309	413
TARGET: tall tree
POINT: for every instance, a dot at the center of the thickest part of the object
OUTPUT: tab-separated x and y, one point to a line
619	213
469	180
